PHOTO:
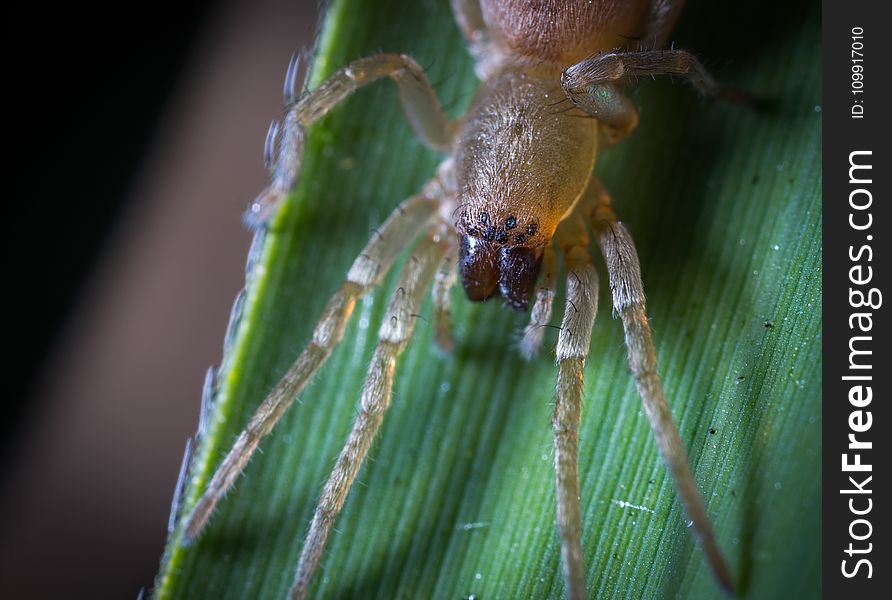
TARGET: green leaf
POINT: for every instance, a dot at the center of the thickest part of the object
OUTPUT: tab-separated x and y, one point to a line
457	496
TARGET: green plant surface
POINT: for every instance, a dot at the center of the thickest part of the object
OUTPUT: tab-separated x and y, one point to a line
457	496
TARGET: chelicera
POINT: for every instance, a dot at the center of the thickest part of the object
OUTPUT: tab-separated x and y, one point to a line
515	188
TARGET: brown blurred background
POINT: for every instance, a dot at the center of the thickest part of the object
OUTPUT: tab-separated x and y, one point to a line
141	145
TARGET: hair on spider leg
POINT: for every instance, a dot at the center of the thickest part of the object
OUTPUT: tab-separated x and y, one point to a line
559	101
419	316
519	338
449	105
568	111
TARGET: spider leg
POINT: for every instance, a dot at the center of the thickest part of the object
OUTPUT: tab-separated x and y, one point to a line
629	303
616	113
469	17
660	20
543	300
595	76
572	351
400	228
419	102
393	336
443	282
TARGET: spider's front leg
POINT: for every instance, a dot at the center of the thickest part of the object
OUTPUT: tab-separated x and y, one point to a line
629	304
572	351
397	232
393	336
419	102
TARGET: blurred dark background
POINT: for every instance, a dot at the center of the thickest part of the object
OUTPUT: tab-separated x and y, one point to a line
136	142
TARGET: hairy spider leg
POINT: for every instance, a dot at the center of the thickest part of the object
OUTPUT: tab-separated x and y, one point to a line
574	340
543	301
469	17
445	278
409	219
399	322
624	272
661	20
591	86
418	98
589	83
628	298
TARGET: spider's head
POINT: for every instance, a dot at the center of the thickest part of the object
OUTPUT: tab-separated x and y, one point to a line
520	166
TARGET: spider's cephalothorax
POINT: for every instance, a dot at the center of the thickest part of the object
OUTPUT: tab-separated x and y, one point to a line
521	164
516	188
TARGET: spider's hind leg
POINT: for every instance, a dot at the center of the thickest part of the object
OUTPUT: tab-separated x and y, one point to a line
414	282
629	304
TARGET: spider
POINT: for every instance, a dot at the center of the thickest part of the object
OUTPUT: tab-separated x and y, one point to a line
516	188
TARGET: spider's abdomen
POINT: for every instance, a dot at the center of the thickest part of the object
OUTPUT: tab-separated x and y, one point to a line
562	31
522	160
